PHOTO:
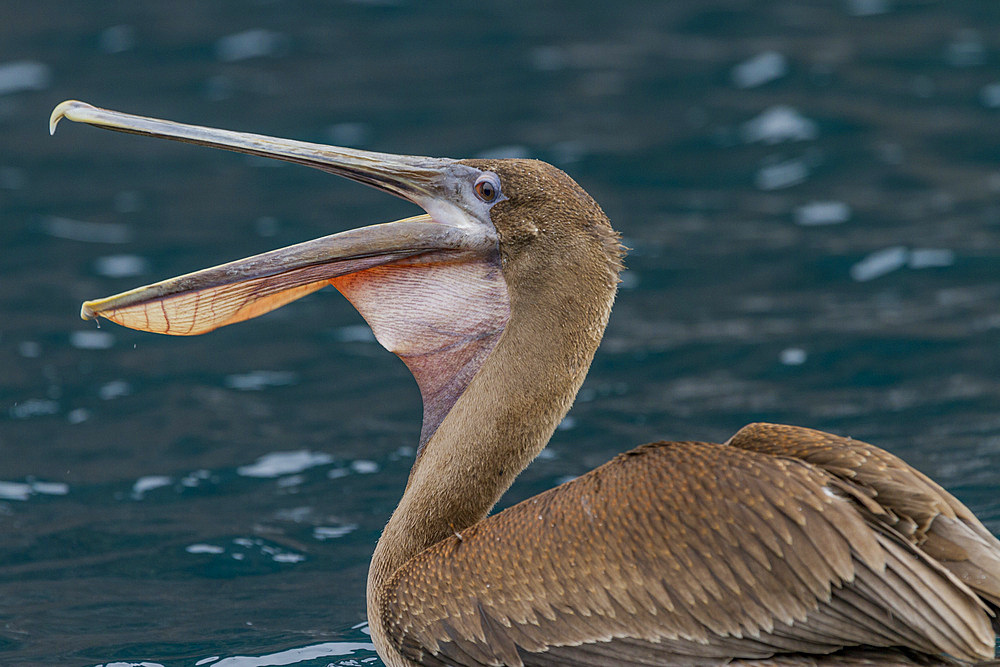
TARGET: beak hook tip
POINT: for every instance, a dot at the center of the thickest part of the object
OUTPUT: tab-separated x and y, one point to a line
87	311
65	110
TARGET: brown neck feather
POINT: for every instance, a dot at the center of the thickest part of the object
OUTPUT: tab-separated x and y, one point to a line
562	273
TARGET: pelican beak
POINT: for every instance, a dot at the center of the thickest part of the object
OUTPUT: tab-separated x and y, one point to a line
205	300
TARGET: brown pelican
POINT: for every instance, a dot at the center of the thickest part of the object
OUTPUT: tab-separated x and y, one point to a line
782	546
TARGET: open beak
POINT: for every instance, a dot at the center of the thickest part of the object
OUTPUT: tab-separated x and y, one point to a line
205	300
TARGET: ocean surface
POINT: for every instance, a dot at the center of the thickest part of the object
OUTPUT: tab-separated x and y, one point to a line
810	191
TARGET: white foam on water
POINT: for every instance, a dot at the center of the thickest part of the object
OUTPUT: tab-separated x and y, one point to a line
260	380
24	490
793	356
34	407
928	258
24	75
197	478
286	557
777	124
78	415
148	483
50	488
760	69
88	232
333	532
880	263
290	481
204	549
296	514
818	213
114	389
280	464
254	43
365	467
121	266
296	655
782	175
92	340
14	491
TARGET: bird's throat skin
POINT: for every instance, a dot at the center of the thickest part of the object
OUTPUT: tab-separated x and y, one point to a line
442	318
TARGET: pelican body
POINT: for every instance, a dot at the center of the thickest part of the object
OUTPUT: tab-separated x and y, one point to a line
782	546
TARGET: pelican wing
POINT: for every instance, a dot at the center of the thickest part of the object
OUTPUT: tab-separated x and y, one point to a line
782	541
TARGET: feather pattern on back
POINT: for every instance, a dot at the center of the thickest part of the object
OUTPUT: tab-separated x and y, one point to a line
782	542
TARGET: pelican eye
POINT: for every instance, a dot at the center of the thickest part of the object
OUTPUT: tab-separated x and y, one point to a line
487	187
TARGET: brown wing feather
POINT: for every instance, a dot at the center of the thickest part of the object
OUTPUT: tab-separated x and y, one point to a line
914	505
783	541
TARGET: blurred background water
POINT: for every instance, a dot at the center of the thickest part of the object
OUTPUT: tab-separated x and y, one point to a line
811	192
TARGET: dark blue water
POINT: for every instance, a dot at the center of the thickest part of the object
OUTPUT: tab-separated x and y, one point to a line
811	192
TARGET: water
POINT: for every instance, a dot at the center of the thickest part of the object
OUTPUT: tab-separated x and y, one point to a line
810	190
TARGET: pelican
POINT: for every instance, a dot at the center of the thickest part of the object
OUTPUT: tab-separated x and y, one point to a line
781	546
